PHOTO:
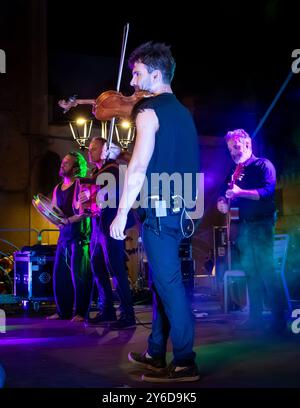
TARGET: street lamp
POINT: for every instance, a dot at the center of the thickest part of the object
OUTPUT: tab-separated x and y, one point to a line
124	132
81	130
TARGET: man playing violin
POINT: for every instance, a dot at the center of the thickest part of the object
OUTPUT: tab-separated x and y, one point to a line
107	254
166	142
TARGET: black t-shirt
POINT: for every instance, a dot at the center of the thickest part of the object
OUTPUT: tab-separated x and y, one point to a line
258	174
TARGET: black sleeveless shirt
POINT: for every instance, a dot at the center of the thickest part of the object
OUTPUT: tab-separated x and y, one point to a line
176	141
78	231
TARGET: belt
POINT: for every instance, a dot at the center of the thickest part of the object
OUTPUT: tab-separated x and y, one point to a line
170	210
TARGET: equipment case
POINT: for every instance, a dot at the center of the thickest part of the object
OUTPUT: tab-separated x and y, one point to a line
33	274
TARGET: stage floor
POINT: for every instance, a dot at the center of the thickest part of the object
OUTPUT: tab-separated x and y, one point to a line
36	352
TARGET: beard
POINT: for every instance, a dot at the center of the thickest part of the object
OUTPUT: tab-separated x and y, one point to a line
241	156
64	173
237	157
94	159
144	86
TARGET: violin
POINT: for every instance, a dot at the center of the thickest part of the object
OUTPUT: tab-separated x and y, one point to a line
108	105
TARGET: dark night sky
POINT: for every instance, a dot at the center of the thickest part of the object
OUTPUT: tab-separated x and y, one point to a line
231	56
225	45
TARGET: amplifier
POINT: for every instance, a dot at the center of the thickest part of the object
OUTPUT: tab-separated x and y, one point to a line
33	275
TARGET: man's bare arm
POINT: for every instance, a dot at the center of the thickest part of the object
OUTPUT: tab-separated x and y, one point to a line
147	126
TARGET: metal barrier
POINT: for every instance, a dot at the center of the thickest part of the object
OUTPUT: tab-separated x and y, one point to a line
39	233
39	237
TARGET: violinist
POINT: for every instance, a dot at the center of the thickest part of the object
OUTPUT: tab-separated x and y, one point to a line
166	142
107	254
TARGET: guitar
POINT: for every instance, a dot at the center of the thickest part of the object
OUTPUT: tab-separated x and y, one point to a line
232	213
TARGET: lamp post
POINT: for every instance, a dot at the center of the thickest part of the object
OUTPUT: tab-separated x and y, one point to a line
81	130
124	132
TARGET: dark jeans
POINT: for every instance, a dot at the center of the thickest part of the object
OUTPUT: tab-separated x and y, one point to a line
72	278
108	259
255	242
171	309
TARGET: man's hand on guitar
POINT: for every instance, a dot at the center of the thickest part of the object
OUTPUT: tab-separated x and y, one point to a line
222	205
234	192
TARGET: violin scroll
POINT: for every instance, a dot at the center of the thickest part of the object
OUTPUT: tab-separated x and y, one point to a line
70	103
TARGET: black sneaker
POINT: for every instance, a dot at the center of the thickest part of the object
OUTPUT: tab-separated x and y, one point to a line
101	318
141	360
123	323
173	374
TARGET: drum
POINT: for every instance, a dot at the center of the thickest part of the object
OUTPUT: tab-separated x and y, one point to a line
47	210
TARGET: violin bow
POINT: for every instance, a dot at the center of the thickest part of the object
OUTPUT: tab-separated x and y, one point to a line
122	57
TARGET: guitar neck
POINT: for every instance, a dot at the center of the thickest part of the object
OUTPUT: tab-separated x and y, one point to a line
236	176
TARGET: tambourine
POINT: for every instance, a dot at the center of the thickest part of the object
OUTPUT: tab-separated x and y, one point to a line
49	211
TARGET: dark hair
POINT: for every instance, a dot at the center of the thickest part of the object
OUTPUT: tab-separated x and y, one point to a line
100	139
155	56
80	163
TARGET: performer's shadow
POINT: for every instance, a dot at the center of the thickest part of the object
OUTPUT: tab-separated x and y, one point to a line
106	335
